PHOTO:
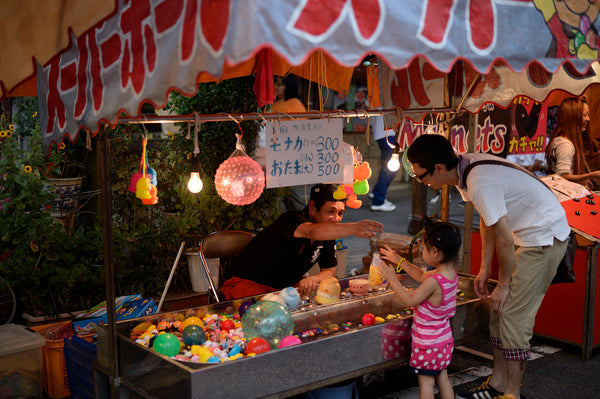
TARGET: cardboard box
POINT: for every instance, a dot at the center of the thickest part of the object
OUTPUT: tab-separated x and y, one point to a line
20	362
136	308
88	321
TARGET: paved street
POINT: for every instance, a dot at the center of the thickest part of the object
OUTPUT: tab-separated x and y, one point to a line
556	370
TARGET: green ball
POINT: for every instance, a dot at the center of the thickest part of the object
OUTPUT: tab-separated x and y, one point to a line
166	344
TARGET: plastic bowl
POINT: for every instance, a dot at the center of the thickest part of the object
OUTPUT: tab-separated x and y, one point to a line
359	286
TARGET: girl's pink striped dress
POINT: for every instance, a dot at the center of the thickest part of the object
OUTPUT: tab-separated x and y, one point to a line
432	342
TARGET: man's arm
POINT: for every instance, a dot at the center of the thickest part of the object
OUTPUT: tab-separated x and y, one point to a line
333	231
505	249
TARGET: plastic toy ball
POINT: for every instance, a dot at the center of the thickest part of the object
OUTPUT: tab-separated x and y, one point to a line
289	340
193	335
191	320
166	344
240	180
244	307
368	319
257	345
269	320
227	325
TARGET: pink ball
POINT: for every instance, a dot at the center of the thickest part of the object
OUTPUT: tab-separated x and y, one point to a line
289	340
240	180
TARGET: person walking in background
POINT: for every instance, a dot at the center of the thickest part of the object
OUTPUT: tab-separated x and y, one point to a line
384	138
566	152
523	222
435	301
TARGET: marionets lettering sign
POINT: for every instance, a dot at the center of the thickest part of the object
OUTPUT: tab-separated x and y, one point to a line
303	152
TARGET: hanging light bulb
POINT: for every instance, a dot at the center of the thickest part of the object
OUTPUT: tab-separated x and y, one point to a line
195	184
394	163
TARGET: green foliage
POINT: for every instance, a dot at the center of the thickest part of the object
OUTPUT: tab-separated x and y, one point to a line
50	271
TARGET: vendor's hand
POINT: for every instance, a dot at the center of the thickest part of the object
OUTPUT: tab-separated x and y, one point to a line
480	284
368	229
389	254
307	285
498	297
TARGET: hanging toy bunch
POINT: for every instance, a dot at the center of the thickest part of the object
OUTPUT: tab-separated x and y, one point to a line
143	183
239	179
362	172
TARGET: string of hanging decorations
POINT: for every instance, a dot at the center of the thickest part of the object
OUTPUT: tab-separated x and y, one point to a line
240	180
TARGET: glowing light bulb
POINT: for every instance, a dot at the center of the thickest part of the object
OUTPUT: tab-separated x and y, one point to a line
394	163
195	184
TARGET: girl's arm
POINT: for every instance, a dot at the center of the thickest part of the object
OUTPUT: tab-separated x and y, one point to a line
423	292
392	256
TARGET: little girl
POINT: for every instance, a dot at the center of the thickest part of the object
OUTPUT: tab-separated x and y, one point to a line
435	301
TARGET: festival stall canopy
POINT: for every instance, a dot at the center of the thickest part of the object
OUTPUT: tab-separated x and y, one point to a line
147	48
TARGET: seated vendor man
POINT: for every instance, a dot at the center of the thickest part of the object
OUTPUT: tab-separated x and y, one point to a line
280	255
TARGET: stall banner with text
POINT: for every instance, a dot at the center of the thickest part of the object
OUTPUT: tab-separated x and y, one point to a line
303	152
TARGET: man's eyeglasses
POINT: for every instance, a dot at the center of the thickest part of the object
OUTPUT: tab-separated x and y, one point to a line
422	176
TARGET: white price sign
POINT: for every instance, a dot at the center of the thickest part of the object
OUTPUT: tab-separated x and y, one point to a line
303	152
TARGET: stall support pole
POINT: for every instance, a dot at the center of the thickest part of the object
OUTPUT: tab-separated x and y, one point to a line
109	267
590	297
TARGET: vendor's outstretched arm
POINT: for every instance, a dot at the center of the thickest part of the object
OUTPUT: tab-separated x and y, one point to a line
333	231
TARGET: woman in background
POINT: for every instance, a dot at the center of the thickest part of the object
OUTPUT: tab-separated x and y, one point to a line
567	155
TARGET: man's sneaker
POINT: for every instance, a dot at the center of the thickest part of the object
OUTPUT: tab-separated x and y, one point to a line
483	391
387	206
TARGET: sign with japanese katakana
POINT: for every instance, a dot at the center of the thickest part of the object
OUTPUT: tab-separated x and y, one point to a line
303	152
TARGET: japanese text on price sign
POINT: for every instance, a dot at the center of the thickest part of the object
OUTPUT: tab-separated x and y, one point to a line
303	152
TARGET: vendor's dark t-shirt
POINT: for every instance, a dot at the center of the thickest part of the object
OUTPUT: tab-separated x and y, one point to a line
276	259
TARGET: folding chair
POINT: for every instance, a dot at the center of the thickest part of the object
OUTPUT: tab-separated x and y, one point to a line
221	244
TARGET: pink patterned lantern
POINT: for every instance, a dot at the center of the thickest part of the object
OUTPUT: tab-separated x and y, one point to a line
239	179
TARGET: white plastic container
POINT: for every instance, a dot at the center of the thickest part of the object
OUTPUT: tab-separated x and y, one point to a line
20	362
198	274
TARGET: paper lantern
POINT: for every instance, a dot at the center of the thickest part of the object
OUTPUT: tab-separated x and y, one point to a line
240	180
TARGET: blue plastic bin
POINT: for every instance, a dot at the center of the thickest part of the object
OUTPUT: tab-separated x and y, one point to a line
79	359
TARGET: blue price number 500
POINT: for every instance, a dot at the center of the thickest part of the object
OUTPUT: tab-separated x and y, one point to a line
329	169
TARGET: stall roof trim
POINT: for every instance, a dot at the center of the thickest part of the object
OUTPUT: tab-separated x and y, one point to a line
140	53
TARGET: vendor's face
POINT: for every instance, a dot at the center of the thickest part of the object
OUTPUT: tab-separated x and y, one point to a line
330	212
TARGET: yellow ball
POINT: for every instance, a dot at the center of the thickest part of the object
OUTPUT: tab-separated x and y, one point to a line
193	320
